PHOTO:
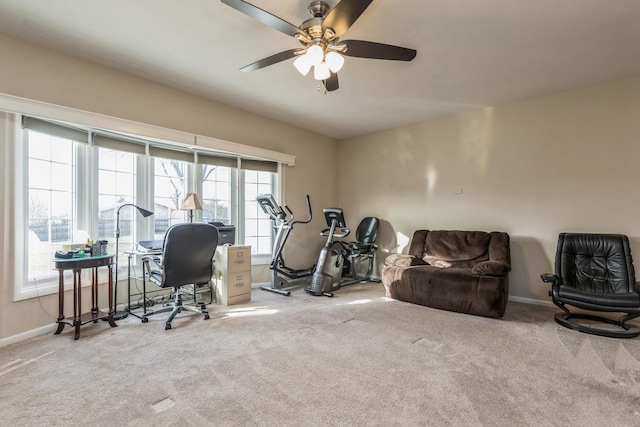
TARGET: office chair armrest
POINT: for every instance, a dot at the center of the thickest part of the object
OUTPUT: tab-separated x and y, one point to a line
147	260
636	288
550	278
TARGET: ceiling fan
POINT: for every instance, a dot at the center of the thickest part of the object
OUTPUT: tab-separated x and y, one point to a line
322	48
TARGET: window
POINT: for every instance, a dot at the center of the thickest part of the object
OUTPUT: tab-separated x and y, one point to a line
216	193
51	199
170	183
77	179
257	225
117	184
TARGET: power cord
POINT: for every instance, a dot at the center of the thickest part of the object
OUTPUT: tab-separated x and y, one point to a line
35	284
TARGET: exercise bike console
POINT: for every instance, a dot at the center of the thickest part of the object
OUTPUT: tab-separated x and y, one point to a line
335	219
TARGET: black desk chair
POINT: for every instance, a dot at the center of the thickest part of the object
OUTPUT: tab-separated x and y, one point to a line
187	259
595	272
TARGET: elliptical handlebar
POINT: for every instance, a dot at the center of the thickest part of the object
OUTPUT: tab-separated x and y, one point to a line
279	213
308	208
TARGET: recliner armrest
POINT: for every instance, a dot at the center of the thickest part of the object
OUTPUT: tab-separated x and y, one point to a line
403	260
491	268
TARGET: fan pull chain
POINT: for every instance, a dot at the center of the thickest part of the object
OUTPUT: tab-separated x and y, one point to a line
323	85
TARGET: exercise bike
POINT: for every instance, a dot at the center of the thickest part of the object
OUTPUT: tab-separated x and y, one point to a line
282	277
340	259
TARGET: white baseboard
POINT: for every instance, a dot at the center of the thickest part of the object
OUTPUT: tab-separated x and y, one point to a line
531	301
47	329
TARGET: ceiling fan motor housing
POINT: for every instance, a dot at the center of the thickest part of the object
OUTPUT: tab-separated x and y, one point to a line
318	9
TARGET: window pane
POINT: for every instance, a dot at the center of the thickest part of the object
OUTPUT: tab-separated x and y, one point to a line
51	163
117	179
256	233
169	192
216	194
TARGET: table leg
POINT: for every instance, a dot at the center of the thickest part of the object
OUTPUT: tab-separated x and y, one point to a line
77	292
60	302
94	291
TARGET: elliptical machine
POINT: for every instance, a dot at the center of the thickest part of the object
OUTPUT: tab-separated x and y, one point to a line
284	227
338	259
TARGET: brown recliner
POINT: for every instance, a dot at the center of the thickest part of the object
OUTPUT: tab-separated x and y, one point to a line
463	271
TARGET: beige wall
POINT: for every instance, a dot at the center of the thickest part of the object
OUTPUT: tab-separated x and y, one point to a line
41	74
566	162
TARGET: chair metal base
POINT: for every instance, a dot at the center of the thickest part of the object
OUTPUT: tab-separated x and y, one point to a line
176	307
626	332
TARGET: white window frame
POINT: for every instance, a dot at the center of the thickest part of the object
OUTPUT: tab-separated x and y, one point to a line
22	106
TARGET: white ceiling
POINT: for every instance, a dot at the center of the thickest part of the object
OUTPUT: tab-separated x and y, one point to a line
471	53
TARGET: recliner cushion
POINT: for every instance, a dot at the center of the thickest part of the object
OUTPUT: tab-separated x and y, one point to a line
594	264
574	296
453	245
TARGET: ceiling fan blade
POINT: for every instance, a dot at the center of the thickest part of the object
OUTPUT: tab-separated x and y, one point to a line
264	17
341	17
373	50
273	59
331	83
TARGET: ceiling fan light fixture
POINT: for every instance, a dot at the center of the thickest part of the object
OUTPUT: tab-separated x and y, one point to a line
335	61
315	54
302	64
321	71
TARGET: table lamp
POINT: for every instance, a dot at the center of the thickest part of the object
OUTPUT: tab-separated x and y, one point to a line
190	203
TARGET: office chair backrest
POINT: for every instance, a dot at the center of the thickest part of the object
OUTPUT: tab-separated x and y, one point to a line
595	263
187	254
367	231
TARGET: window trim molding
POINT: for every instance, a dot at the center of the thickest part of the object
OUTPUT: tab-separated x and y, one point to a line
25	106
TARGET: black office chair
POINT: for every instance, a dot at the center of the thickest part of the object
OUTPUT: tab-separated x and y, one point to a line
362	249
187	259
595	272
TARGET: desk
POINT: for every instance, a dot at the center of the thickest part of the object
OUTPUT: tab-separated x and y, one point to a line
77	265
145	312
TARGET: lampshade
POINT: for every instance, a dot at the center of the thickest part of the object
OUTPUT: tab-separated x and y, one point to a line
315	54
302	64
321	72
191	202
335	61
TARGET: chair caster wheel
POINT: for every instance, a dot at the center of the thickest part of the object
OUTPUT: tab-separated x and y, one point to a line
167	326
145	320
206	317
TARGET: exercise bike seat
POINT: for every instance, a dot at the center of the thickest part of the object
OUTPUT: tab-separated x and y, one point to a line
366	235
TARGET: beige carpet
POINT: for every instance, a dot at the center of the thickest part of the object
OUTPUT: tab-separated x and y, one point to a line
357	359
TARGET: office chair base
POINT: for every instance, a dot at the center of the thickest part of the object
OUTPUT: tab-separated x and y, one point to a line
178	308
625	331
